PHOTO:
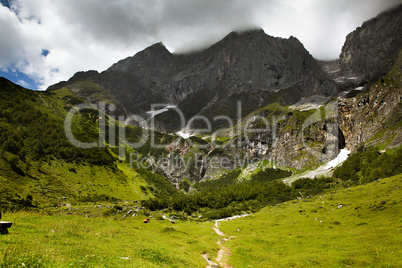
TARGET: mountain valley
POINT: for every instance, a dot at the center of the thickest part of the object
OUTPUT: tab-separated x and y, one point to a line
247	125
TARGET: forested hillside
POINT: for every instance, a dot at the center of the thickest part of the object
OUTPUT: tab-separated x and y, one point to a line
39	166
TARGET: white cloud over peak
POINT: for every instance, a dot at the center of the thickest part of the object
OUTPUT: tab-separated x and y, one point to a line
92	35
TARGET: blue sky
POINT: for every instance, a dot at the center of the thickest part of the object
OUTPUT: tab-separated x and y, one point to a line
47	41
13	74
5	3
21	79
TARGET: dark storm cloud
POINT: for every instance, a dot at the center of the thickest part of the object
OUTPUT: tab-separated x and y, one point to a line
172	22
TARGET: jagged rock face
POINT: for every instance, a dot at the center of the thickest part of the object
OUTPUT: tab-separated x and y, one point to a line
377	111
372	118
288	138
251	67
301	139
247	61
259	70
372	49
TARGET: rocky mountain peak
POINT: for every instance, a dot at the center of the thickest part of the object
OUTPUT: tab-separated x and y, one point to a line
372	49
155	54
250	34
248	66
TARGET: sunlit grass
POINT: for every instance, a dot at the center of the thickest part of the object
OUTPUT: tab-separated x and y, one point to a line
316	233
356	227
74	241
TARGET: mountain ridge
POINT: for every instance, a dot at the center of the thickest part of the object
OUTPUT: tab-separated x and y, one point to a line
241	63
371	50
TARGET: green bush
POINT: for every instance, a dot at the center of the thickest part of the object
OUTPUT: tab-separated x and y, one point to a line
368	164
184	185
270	174
226	179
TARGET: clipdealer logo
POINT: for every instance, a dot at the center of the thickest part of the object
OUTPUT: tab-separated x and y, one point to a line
240	132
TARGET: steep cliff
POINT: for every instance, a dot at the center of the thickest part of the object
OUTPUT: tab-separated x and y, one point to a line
374	117
251	67
371	50
266	75
301	139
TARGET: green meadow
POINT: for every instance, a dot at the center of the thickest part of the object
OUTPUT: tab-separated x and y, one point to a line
37	240
355	227
358	226
72	207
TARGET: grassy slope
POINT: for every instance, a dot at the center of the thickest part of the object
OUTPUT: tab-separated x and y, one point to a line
301	233
75	241
316	233
55	180
49	179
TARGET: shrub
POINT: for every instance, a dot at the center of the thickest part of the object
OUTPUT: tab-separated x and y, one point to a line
184	185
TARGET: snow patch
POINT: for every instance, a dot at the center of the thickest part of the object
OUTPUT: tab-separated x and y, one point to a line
343	94
324	169
332	72
165	109
342	78
313	102
342	156
183	134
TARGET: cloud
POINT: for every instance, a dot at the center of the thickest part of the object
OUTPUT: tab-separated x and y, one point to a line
82	35
23	83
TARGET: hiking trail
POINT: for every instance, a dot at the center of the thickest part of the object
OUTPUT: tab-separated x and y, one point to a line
224	251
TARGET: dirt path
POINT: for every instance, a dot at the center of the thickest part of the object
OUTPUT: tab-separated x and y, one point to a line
210	263
224	251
